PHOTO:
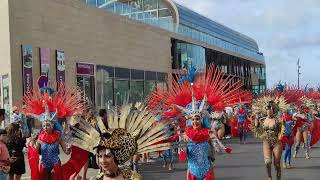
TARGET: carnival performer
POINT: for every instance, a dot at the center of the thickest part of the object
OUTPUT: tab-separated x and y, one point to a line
270	129
217	125
46	105
305	119
242	124
193	99
131	133
288	138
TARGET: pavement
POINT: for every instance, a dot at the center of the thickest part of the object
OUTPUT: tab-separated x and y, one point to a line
245	163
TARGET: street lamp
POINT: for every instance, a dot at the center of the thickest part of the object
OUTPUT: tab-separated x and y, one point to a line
299	73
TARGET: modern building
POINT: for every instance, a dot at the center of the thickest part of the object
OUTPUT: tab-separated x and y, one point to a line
115	50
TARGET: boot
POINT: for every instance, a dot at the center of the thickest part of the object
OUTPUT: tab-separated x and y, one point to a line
307	149
296	150
278	170
284	165
268	168
170	167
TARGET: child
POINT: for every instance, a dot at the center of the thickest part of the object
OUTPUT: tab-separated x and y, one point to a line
4	156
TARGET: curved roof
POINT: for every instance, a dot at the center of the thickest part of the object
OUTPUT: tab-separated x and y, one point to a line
194	20
183	21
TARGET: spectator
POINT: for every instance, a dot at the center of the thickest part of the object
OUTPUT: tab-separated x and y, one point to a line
4	155
15	146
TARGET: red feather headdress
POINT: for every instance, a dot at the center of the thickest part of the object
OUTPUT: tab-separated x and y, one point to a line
213	86
63	103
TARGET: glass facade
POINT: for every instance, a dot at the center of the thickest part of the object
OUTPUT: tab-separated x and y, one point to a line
189	54
191	24
118	85
86	84
252	74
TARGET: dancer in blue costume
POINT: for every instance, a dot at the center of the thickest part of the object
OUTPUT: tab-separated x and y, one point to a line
197	138
242	124
288	138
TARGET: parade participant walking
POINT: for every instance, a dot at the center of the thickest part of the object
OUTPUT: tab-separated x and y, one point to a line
305	120
270	129
288	138
47	105
210	90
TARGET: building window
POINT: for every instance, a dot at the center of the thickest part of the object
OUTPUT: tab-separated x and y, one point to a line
92	2
150	5
136	91
85	80
100	2
187	55
104	86
149	86
121	91
86	84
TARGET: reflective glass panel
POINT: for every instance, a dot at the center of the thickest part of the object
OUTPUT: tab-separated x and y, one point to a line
136	91
121	91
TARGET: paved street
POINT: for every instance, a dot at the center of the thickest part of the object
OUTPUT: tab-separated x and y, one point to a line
246	163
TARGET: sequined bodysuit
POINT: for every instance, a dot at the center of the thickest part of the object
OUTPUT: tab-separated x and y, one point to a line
198	161
49	155
272	133
241	119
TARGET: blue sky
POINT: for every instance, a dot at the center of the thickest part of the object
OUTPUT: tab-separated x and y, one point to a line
285	30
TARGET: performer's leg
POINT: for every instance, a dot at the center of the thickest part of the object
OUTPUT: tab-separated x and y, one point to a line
285	155
244	135
221	131
277	151
289	154
170	158
240	133
297	146
267	153
164	157
307	145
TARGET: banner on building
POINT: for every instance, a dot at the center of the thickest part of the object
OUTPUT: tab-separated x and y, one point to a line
44	61
85	69
5	96
27	62
61	73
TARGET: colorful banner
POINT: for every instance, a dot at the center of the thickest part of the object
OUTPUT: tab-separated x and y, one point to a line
27	59
85	69
44	61
5	96
61	74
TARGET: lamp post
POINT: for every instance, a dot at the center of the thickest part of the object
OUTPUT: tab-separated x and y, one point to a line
299	73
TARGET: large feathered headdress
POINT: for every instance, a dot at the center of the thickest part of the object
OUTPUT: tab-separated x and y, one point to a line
135	132
278	103
47	104
211	89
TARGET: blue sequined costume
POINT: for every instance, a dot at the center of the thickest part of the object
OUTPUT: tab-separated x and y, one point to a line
49	155
198	161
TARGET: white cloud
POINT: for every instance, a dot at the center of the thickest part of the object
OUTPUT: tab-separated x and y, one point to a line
284	30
